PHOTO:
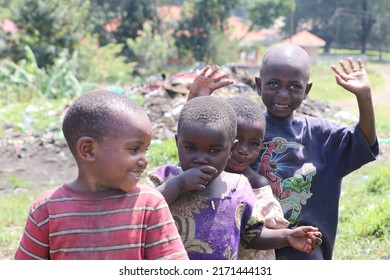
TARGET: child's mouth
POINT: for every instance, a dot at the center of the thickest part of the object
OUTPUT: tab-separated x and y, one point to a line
281	105
136	175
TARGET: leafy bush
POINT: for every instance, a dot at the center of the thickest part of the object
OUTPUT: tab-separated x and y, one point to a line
103	64
152	50
23	81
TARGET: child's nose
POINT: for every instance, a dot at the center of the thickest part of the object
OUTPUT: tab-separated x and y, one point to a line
243	149
143	161
283	92
201	159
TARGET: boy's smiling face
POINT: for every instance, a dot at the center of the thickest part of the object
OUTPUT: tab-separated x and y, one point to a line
120	158
283	86
284	79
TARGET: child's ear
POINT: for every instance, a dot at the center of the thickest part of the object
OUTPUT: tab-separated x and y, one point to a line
176	139
258	84
308	88
85	148
235	143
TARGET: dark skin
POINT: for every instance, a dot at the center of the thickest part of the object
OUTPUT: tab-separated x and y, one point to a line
209	80
350	75
116	161
250	137
284	84
203	155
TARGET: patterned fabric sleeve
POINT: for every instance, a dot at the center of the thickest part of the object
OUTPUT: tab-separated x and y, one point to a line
251	224
163	173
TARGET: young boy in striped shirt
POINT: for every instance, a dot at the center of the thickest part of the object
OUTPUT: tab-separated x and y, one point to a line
103	213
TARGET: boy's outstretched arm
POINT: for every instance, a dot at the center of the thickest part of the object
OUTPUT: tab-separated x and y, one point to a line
206	82
305	239
354	78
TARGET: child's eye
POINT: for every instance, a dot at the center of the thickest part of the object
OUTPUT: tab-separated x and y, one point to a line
255	143
295	87
134	149
273	84
214	151
189	148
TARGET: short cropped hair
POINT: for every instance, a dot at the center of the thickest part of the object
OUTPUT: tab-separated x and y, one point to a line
286	53
247	109
96	114
209	110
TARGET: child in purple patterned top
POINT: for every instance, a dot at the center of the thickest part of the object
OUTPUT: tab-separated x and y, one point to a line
213	208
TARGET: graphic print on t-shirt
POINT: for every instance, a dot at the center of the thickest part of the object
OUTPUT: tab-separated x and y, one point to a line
293	191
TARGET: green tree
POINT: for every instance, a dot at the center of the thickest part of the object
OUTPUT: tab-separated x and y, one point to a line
152	50
263	13
379	37
203	18
48	27
126	19
319	17
341	23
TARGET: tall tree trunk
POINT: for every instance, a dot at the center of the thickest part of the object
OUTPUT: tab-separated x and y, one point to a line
367	22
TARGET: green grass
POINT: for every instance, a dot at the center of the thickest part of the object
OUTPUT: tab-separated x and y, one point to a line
325	86
364	221
13	213
372	55
325	90
382	114
162	152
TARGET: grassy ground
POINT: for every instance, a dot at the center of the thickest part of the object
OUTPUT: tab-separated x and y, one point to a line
364	221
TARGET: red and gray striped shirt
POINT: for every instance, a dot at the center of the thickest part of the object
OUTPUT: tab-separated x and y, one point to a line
66	224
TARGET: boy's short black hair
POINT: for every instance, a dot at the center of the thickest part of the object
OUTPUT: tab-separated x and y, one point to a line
284	52
96	114
247	109
208	110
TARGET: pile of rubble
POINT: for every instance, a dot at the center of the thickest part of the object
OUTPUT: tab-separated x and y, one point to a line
165	99
162	99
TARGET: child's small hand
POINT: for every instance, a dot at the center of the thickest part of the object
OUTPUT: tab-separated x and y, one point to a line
205	83
305	239
197	178
352	78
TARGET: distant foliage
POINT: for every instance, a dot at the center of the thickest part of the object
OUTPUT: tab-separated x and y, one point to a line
25	80
152	50
48	27
103	64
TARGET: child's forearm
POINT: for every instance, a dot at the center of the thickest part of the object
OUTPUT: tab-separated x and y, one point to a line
170	189
367	117
270	239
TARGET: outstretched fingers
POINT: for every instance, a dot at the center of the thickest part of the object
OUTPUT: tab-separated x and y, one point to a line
204	70
214	71
344	66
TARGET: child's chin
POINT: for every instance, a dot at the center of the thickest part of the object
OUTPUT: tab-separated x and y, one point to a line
236	168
